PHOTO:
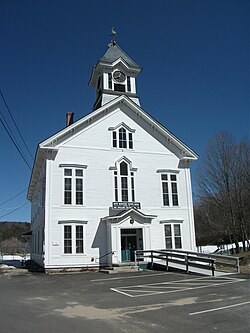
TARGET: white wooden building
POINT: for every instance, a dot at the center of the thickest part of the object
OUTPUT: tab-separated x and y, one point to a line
114	181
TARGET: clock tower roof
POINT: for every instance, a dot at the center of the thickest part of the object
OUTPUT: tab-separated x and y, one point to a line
114	75
114	53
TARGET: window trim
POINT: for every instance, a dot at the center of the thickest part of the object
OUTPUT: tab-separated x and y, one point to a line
73	167
130	181
171	195
73	225
116	137
172	224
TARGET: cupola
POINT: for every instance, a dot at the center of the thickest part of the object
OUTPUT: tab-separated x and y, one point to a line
114	75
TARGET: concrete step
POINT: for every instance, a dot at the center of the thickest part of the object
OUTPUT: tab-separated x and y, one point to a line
120	269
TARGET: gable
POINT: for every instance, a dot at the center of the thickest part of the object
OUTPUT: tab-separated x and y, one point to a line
120	110
99	135
93	131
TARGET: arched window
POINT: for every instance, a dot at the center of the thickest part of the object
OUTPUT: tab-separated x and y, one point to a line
122	137
124	184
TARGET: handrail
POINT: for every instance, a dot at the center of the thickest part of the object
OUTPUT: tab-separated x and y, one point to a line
187	259
105	255
218	258
170	257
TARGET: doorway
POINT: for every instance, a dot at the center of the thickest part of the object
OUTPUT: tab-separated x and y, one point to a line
131	240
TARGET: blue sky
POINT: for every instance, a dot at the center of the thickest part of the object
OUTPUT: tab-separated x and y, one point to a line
195	78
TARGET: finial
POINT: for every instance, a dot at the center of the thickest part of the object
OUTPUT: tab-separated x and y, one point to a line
113	34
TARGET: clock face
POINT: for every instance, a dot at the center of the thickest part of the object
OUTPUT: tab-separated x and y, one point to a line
119	76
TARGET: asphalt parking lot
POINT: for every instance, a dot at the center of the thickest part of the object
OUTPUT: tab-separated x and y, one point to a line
147	301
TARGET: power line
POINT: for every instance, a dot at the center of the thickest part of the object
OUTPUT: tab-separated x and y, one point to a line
14	210
15	144
4	202
7	107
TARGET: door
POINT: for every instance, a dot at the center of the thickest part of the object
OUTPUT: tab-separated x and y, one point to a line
128	246
131	240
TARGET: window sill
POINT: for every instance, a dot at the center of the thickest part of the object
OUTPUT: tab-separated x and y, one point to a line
74	254
72	206
122	149
171	207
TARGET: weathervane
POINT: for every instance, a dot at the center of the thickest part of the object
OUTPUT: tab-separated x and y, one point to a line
113	34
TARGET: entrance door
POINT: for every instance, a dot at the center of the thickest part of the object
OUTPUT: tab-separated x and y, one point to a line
131	240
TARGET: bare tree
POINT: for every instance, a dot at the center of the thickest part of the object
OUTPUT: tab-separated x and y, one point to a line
223	181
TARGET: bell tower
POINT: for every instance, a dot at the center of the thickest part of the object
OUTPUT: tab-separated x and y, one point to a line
114	75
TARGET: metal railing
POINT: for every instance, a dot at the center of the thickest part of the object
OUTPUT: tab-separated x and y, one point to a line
186	260
106	254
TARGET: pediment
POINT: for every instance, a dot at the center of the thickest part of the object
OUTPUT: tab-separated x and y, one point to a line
158	131
130	214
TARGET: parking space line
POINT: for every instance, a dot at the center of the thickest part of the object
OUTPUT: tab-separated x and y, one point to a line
163	287
218	309
130	277
121	292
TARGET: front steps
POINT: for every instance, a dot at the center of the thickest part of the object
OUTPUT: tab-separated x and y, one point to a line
124	268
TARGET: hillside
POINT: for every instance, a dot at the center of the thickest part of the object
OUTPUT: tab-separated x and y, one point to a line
9	230
11	239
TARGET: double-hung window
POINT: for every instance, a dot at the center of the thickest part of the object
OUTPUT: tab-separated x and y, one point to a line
73	186
173	239
73	239
169	189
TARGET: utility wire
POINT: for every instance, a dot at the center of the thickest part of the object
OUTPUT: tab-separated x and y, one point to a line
9	129
7	107
14	210
2	203
15	144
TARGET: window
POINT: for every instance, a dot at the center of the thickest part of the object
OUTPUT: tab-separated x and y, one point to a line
79	239
128	83
124	183
122	138
67	239
73	186
114	139
168	236
169	190
119	87
110	80
73	239
177	236
173	236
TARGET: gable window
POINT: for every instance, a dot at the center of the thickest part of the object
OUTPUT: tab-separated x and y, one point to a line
173	238
124	183
73	186
122	137
73	239
169	190
114	140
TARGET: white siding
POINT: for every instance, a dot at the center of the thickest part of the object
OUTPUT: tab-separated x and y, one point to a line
92	148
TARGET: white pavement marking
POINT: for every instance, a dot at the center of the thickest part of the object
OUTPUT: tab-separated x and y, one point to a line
121	292
135	291
217	309
131	277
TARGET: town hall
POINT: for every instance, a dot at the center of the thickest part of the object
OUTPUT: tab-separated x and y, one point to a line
112	182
